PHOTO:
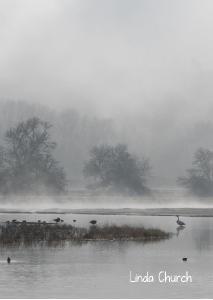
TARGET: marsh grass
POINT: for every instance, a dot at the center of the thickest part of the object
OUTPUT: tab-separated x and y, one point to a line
125	232
30	233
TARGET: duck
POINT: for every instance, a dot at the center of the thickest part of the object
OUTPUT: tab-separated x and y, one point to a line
57	220
93	222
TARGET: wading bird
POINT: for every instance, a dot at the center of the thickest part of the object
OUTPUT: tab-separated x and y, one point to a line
180	223
8	260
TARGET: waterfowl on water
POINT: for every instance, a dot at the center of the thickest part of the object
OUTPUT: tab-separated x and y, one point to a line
184	258
93	222
74	221
57	220
179	222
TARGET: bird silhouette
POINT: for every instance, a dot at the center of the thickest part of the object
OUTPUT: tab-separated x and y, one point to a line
57	220
184	259
179	222
74	221
93	222
8	260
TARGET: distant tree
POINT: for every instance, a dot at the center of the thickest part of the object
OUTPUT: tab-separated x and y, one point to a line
116	167
27	162
199	178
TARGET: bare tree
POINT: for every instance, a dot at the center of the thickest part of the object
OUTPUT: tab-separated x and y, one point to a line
199	178
28	160
116	167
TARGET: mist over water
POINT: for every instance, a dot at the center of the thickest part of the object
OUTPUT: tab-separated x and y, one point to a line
160	199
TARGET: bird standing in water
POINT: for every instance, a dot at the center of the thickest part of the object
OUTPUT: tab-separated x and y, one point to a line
179	222
8	260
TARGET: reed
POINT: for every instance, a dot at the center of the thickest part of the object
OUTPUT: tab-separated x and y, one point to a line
28	233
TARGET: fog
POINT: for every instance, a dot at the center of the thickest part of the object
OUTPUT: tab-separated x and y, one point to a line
101	55
160	202
127	71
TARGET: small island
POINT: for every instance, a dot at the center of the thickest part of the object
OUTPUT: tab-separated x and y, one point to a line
30	232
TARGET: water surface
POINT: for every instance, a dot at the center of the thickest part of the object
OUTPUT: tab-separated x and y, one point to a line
101	268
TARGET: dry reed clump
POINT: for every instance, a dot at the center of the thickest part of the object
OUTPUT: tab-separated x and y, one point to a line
28	233
125	232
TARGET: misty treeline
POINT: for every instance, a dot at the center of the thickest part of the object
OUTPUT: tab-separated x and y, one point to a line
76	142
199	178
74	133
27	163
115	167
26	160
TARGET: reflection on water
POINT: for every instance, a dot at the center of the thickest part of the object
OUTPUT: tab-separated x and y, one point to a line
101	268
179	229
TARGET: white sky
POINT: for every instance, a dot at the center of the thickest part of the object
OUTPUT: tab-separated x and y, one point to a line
110	56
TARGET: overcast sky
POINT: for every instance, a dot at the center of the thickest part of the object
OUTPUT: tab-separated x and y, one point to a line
110	56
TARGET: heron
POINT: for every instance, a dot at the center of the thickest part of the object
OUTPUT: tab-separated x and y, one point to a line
180	223
93	222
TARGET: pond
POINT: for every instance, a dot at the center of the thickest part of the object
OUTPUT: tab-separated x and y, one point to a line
101	269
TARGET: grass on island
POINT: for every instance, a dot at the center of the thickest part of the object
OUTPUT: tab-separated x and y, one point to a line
54	233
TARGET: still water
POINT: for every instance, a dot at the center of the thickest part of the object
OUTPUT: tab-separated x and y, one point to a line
101	269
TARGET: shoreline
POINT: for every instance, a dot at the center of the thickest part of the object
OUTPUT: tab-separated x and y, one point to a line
186	212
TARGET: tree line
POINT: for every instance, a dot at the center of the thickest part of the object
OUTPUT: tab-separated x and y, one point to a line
28	165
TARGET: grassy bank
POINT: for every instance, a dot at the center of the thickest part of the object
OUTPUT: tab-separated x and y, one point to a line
50	233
